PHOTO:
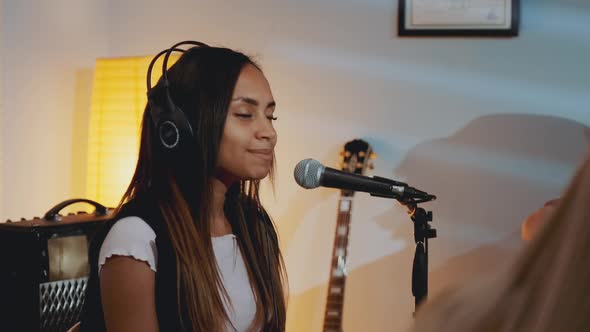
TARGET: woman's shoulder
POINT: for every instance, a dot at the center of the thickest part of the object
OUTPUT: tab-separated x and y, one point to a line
135	219
132	227
143	206
140	204
130	236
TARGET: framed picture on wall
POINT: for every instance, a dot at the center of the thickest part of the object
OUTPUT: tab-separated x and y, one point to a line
491	18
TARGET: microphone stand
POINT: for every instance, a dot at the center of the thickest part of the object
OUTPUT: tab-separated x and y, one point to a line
422	232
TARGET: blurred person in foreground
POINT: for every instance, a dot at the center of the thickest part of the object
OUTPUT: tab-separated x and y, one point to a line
547	287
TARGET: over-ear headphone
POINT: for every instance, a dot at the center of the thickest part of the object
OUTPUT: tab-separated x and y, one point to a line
172	125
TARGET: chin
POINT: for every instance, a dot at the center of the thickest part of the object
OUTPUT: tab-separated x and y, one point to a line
258	175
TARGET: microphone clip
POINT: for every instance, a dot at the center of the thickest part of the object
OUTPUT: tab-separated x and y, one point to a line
410	196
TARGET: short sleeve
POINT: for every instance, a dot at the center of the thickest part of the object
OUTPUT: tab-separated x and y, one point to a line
130	236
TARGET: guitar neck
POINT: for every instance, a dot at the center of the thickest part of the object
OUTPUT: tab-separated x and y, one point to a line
337	282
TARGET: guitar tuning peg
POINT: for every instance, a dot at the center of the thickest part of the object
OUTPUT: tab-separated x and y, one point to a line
371	166
373	155
341	153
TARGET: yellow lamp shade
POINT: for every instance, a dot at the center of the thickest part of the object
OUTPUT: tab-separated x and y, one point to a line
117	105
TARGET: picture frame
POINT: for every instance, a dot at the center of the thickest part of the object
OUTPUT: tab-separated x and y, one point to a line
485	18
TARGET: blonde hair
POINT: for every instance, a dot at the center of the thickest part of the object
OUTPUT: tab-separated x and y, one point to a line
546	289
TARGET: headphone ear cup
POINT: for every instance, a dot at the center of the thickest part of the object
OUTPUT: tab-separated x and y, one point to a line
176	129
171	124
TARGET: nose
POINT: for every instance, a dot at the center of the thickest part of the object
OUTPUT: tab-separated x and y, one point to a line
266	130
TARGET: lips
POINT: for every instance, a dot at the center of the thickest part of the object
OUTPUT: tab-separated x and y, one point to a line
265	154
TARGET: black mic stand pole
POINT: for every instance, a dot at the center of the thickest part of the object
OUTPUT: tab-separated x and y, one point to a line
422	232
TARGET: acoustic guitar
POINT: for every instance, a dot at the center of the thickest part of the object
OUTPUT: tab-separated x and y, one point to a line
357	157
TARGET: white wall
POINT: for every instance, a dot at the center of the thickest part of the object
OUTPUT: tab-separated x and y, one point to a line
48	47
494	127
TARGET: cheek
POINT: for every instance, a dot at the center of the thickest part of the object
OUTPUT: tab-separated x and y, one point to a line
231	149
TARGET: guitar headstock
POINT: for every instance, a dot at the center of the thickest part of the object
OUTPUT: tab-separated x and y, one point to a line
357	157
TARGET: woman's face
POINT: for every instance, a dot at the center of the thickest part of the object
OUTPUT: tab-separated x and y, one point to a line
248	140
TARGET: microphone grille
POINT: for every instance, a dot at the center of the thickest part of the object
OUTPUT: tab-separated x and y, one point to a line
308	172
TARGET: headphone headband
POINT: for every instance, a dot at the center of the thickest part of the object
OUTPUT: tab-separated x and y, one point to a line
168	51
171	49
172	125
149	71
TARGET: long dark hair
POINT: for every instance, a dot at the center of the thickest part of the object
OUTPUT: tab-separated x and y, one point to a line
201	84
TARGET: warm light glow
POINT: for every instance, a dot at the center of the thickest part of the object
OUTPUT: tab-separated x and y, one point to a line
118	102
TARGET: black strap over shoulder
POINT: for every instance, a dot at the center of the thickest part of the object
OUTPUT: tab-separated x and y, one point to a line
92	318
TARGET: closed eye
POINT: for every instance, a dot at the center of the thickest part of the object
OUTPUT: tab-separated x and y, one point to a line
241	115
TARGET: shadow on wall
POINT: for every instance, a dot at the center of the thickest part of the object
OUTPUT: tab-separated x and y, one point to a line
497	169
488	177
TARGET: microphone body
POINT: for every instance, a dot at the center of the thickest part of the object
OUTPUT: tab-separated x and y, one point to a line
310	173
333	178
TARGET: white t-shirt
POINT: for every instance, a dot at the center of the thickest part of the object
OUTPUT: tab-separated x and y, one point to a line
132	236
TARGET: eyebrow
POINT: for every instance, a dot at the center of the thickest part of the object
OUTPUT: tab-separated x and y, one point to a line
253	101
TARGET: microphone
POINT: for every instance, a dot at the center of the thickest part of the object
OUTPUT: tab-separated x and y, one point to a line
310	173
